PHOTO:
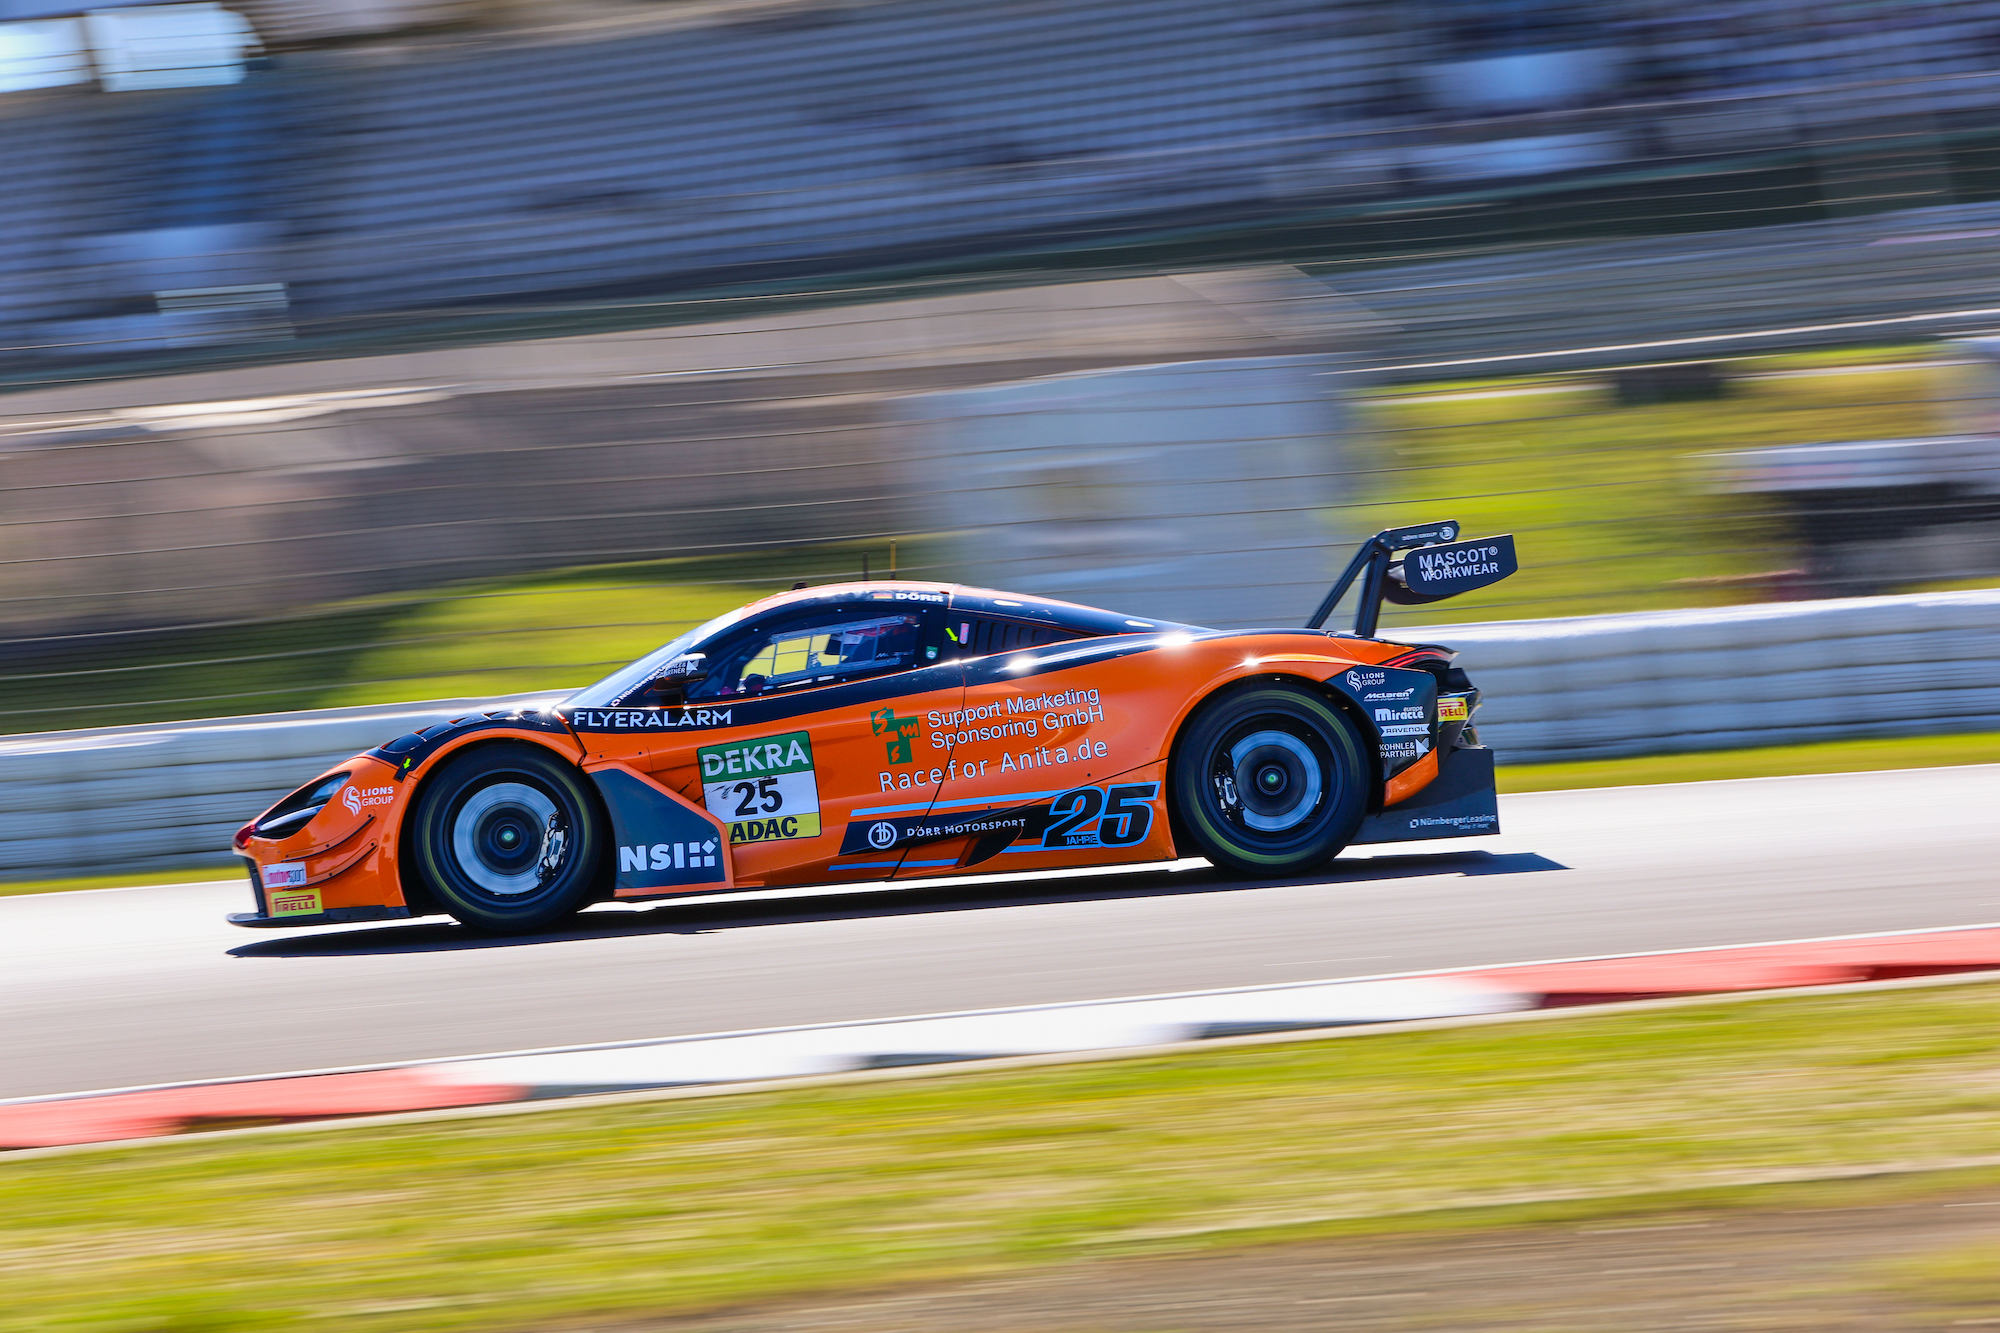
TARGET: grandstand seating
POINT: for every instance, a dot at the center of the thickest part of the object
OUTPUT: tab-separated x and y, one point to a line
435	170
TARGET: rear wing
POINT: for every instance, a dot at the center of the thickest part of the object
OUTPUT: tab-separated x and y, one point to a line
1437	566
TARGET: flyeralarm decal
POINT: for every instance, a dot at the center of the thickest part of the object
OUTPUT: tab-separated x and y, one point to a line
648	719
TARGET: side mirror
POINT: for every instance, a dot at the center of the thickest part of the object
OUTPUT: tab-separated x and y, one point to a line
687	669
670	683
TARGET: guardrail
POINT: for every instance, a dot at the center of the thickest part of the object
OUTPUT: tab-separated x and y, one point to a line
114	799
159	797
1592	687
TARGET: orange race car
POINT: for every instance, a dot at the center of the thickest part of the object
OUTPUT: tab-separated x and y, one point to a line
871	731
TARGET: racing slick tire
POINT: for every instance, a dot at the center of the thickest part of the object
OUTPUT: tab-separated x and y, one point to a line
1269	780
508	839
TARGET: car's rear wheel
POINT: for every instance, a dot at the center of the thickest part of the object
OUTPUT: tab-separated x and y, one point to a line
508	839
1269	780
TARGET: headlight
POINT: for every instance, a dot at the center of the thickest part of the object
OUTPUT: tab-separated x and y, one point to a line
297	810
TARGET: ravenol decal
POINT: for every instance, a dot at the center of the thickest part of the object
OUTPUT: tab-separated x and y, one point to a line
765	789
897	732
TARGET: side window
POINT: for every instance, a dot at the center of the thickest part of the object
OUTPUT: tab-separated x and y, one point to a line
824	647
968	635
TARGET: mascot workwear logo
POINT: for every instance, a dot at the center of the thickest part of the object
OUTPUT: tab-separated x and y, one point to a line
898	734
765	789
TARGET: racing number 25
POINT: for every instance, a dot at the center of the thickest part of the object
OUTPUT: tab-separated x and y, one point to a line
749	794
1124	816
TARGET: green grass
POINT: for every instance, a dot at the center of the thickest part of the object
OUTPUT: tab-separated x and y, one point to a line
220	870
590	1214
1768	762
1613	506
539	632
1956	1280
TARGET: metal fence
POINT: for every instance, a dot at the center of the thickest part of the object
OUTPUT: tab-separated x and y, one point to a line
1571	271
1199	446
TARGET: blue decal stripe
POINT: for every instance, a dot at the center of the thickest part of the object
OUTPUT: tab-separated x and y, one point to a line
886	865
1004	802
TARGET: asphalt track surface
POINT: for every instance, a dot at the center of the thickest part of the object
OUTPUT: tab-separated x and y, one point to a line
125	987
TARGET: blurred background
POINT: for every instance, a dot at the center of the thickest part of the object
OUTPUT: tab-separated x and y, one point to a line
359	351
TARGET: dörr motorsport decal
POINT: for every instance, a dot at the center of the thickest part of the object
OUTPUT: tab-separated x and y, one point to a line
1120	815
765	789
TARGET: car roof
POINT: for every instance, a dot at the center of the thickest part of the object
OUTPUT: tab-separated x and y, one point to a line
966	598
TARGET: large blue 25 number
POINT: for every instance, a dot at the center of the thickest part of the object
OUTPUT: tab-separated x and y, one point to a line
1125	818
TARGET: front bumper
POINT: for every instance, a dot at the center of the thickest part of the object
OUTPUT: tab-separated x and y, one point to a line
282	908
330	917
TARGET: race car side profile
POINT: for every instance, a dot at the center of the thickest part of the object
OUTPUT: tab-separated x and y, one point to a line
881	731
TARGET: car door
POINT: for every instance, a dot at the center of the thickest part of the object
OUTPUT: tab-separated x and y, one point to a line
825	702
1056	750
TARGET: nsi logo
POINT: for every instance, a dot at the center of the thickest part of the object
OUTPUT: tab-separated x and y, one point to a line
668	856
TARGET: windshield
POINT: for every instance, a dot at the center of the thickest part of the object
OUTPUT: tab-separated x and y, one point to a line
611	691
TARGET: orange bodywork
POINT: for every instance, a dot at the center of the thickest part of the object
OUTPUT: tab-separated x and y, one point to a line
915	773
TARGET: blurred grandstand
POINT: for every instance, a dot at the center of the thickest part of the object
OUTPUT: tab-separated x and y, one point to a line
472	154
334	331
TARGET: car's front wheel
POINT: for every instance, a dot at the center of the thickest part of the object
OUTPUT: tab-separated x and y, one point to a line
507	838
1269	780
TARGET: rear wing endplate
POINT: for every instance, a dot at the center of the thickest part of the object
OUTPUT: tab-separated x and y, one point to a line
1438	565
